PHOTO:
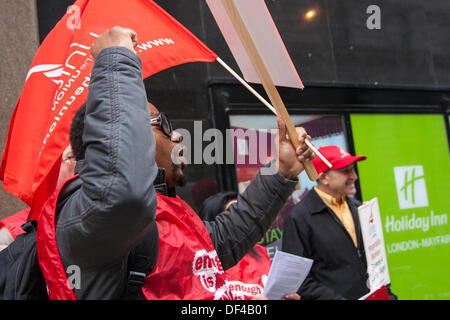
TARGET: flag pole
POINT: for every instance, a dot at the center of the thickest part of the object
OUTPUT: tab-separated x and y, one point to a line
266	79
268	105
245	84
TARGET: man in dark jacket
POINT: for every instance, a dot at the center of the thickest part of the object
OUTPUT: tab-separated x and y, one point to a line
109	211
325	227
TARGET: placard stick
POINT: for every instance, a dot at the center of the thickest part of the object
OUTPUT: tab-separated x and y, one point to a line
266	79
268	105
245	84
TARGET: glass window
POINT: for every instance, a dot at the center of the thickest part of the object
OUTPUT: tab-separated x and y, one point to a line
254	146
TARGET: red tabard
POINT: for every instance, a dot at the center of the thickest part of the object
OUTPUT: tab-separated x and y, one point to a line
248	277
188	267
58	286
14	222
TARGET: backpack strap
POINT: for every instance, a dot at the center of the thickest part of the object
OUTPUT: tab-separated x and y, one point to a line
29	226
141	261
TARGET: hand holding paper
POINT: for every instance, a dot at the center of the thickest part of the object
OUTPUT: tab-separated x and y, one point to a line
286	275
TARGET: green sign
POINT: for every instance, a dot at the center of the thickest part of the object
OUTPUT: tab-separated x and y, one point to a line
408	169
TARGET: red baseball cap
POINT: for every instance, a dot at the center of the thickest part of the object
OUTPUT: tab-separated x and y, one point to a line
337	156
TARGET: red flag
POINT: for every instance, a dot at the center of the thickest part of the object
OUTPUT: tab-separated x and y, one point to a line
57	83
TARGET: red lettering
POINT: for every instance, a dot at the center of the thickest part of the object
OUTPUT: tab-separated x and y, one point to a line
375	254
375	244
198	263
227	296
210	282
218	264
207	263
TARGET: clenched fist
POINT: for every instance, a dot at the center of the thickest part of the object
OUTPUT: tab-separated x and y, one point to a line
116	36
290	161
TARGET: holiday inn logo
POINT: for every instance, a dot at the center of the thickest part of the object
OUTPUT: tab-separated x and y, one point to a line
411	189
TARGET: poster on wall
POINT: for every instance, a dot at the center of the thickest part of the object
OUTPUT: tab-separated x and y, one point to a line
407	169
254	146
374	247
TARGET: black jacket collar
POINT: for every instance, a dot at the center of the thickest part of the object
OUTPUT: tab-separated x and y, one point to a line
159	183
315	203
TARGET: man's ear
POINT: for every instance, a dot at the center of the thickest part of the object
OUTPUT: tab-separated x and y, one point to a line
323	178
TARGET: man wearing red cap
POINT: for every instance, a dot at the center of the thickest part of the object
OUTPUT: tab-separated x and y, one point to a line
325	227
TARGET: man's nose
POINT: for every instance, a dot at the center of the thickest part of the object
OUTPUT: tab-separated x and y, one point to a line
353	174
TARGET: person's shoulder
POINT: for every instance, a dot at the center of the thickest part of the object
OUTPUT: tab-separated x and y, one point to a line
312	200
306	206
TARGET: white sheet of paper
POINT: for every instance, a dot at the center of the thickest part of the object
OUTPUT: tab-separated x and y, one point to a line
286	275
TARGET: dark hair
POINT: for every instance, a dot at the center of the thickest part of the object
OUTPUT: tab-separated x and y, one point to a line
215	204
76	133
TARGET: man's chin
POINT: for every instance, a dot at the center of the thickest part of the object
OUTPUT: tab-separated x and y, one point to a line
181	180
351	190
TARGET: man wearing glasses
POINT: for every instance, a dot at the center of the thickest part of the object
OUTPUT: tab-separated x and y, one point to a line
166	140
123	204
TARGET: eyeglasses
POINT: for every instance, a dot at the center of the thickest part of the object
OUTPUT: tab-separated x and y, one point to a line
164	124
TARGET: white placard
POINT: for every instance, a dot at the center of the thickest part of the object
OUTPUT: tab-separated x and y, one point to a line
372	232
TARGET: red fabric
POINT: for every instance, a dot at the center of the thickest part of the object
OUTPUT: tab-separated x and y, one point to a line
33	115
188	267
14	222
59	77
379	294
48	253
248	277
